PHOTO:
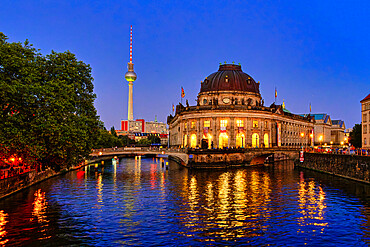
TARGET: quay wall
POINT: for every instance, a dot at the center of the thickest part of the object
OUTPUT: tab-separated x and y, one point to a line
348	166
225	158
11	185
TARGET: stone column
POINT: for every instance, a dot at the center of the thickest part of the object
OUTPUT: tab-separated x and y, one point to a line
232	142
215	126
199	132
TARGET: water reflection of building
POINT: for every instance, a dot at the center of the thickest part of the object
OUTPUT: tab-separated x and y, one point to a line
312	206
230	112
225	205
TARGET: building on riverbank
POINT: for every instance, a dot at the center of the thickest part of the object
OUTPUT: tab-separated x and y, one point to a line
365	116
328	131
230	112
139	129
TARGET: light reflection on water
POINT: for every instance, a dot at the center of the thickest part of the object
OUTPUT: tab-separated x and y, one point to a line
140	202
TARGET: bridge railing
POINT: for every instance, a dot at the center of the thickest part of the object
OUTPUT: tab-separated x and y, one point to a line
137	149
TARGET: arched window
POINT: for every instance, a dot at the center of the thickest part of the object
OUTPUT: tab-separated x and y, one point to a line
193	141
185	143
240	140
223	140
209	140
266	140
255	140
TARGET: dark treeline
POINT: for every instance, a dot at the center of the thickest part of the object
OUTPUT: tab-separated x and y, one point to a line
47	114
108	139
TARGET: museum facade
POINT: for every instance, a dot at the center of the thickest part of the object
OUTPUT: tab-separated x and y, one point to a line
230	113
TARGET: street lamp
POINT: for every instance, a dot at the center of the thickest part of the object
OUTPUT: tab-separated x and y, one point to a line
320	139
302	135
311	139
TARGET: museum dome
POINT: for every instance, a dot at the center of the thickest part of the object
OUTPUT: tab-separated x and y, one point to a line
229	77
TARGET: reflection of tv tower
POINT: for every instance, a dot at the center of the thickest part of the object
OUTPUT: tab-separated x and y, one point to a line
130	76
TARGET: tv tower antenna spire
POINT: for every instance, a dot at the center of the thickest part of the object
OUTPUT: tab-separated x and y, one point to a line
130	76
131	44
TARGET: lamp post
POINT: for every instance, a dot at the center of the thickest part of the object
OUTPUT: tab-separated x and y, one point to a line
320	139
302	135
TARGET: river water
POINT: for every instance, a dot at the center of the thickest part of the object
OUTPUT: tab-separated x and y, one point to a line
141	203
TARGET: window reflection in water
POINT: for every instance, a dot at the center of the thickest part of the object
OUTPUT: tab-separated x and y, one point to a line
137	173
223	199
99	187
193	198
3	221
234	206
312	206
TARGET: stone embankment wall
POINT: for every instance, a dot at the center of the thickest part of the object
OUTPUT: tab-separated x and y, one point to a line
224	158
17	183
348	166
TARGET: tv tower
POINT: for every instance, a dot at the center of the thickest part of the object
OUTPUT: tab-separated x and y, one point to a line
130	76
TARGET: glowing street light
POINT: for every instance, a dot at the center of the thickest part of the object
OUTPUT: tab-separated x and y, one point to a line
321	137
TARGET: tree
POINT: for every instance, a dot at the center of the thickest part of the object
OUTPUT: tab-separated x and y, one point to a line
355	137
154	139
106	139
144	141
125	140
48	114
113	131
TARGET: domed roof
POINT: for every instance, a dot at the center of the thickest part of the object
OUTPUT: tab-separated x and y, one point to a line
230	77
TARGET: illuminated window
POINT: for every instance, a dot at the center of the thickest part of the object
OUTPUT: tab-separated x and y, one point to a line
255	140
265	124
193	124
240	140
186	126
266	140
185	143
223	123
255	124
193	141
207	123
223	140
239	123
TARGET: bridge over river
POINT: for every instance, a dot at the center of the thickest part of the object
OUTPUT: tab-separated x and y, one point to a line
203	158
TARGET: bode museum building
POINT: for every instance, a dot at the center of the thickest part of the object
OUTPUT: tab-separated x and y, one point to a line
230	113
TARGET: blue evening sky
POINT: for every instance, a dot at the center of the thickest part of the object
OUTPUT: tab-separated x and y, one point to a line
311	51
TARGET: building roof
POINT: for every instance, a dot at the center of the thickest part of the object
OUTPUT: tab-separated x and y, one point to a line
338	122
230	77
321	116
366	98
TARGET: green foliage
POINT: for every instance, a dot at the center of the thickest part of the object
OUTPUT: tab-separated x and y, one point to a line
154	139
144	141
355	137
125	140
48	115
113	131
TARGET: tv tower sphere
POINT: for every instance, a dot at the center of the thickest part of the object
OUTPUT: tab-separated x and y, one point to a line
130	76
